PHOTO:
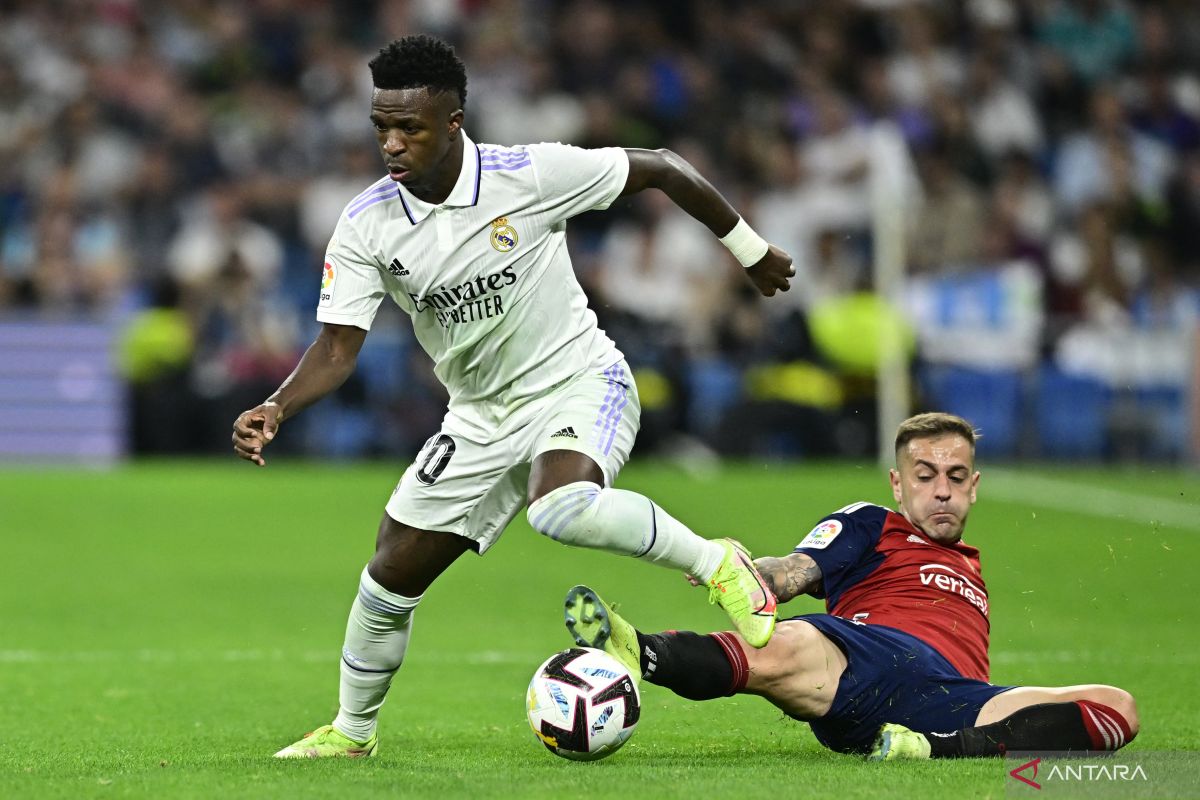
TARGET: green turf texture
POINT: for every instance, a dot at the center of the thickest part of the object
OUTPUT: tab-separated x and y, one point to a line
166	626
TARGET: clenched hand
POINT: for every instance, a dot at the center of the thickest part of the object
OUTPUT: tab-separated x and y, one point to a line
772	271
253	430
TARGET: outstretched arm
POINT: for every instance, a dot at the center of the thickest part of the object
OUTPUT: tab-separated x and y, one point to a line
324	367
691	191
790	576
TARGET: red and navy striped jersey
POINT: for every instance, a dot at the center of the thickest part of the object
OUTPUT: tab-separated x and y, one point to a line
879	569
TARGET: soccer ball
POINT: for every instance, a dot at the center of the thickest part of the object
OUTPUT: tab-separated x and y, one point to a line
583	704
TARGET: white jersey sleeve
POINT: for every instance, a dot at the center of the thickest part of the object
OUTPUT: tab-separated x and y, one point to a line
351	282
572	180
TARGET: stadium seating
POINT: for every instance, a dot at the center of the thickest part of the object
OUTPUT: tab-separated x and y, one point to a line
991	399
1071	414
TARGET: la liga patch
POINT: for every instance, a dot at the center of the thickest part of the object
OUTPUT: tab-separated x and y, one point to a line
820	537
328	275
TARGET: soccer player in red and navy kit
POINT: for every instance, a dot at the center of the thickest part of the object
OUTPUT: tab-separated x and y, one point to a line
898	668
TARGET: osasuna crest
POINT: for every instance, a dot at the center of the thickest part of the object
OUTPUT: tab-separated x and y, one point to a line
504	236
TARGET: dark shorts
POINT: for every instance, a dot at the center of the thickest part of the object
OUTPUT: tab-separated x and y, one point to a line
892	677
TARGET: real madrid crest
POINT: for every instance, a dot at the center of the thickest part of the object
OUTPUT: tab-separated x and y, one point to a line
504	236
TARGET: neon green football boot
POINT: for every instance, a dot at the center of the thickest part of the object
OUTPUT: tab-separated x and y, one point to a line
593	623
741	591
896	742
327	742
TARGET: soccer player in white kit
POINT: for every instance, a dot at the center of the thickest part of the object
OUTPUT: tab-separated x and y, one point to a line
470	240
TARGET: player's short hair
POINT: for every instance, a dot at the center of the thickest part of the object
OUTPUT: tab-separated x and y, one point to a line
420	61
933	425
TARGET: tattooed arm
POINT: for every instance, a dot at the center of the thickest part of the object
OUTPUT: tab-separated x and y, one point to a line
790	576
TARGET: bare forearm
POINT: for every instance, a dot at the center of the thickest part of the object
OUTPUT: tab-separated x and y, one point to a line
790	576
768	268
321	370
687	188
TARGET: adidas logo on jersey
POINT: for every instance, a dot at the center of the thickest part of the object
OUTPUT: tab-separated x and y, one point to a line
567	432
912	537
397	269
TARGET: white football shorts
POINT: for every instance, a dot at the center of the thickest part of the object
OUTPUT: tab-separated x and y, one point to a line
473	488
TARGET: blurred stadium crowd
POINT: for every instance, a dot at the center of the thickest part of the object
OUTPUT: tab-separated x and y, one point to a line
179	165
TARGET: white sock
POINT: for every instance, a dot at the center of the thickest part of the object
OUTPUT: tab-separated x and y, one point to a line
376	638
584	515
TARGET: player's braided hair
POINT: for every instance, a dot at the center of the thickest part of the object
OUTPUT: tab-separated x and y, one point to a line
933	424
419	61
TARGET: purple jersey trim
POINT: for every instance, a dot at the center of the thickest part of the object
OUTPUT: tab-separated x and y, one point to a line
382	193
504	152
615	400
374	187
506	167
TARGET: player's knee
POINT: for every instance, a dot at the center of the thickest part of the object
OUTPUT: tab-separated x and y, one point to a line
1118	700
1124	704
558	513
792	671
407	560
777	664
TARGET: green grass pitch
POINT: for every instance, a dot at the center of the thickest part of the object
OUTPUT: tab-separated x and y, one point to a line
166	626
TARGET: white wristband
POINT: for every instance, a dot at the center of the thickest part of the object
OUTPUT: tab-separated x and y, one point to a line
746	245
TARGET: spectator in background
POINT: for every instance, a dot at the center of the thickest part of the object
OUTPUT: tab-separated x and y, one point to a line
66	254
124	127
325	195
660	289
840	266
585	42
656	270
1109	161
188	137
947	233
216	231
1022	198
524	104
955	138
1095	37
1003	118
1101	267
834	39
1133	328
155	356
825	186
836	153
1160	33
1018	229
1183	215
874	95
1159	115
922	67
996	30
150	214
23	114
228	270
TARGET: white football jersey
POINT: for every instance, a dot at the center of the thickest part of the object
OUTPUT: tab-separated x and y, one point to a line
485	275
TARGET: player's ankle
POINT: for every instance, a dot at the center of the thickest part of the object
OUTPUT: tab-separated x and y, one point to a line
356	730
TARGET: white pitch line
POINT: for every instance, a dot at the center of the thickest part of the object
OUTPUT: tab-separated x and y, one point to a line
1080	498
1093	657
